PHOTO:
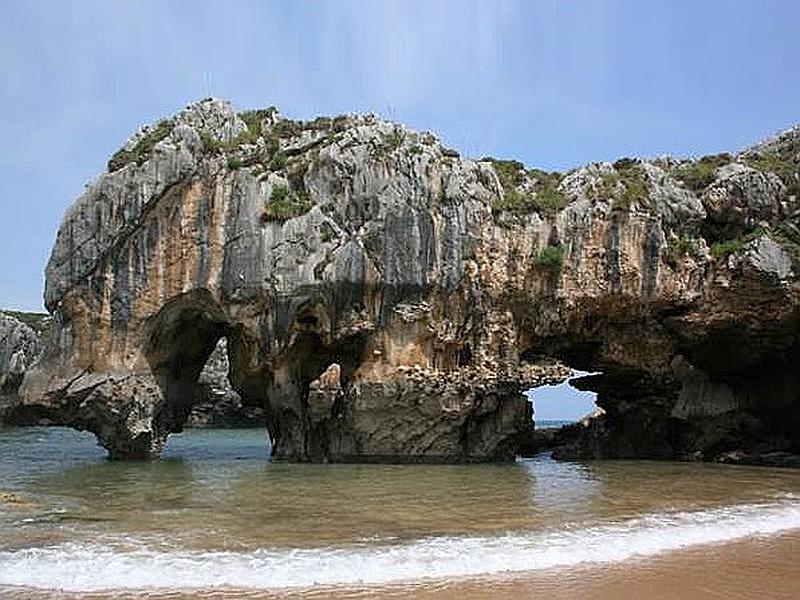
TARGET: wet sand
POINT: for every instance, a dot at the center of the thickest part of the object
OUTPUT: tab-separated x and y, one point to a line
764	568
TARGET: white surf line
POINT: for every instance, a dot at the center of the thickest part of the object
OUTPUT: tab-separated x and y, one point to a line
90	568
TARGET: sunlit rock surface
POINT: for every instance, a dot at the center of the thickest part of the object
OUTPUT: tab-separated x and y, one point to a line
383	298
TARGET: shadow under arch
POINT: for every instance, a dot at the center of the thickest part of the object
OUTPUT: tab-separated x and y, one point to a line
179	340
277	377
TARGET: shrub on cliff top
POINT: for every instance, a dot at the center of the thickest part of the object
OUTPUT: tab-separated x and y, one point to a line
254	120
784	167
634	184
548	198
39	322
606	188
545	198
698	175
143	148
395	138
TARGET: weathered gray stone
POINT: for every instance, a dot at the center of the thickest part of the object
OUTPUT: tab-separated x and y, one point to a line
216	403
19	348
767	255
437	287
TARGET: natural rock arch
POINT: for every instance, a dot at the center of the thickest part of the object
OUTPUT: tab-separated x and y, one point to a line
387	299
178	342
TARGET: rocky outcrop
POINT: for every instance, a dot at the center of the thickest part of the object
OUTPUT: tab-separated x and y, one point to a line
21	342
383	298
216	403
19	348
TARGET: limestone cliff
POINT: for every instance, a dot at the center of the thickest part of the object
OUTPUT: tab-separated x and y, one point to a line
20	346
383	298
23	337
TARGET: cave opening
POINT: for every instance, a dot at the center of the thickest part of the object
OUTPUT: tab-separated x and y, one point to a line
555	406
192	348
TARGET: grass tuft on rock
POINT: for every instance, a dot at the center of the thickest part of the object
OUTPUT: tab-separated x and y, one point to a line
550	257
683	245
699	174
143	148
723	249
285	204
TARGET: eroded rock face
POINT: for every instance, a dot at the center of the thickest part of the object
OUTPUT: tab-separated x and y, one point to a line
383	298
216	403
19	348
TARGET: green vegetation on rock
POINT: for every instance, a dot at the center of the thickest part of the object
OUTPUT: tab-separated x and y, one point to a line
278	161
723	249
550	257
210	145
39	322
681	246
784	167
684	244
788	235
143	148
288	128
548	199
544	198
607	188
396	138
254	120
634	184
285	204
699	174
510	172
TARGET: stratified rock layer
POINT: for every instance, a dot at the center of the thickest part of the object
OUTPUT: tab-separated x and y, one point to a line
383	298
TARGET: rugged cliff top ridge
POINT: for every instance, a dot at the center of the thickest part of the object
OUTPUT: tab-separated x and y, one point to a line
278	152
387	299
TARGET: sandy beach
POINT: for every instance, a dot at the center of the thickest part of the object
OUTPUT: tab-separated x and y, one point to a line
758	567
765	568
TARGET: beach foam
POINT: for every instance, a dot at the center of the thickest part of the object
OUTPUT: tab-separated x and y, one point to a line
90	568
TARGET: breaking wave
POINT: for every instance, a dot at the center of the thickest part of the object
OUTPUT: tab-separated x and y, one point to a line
94	568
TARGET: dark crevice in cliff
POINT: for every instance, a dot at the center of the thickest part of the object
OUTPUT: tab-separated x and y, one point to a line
180	339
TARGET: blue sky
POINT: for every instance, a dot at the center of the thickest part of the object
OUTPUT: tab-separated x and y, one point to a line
561	402
552	83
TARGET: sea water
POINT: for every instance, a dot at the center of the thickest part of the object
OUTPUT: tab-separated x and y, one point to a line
215	513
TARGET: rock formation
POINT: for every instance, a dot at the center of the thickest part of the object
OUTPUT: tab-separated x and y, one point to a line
216	403
383	298
20	346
